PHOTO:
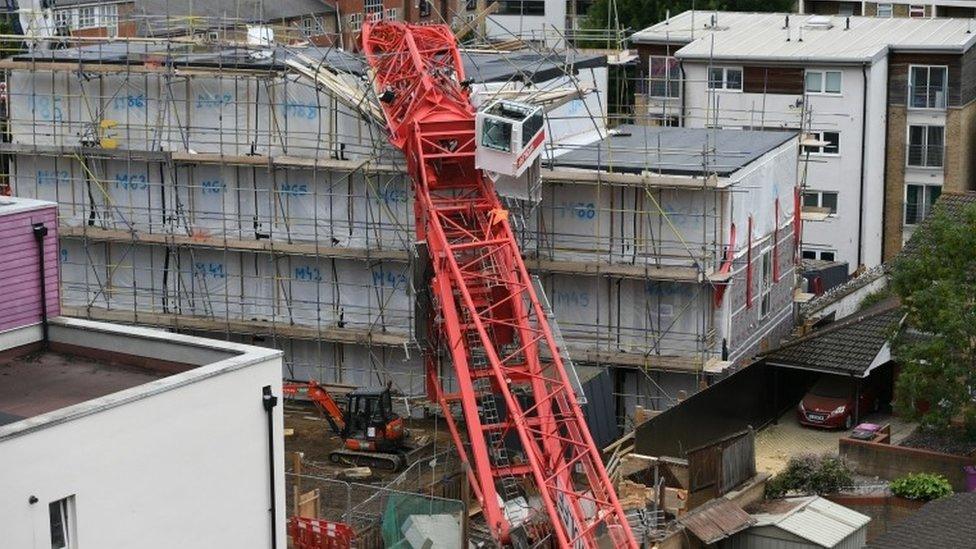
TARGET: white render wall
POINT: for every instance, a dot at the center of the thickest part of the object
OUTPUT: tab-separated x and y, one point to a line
839	173
185	467
548	28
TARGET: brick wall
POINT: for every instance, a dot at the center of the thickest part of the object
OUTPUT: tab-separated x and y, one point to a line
890	462
885	510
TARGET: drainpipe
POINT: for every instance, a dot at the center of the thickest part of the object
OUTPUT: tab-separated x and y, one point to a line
270	401
864	142
40	231
684	79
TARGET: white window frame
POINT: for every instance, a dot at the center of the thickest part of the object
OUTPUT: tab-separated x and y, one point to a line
766	260
392	13
63	19
87	17
667	80
66	510
916	11
820	150
819	254
109	15
372	6
355	21
820	195
925	145
725	79
928	78
926	203
890	8
823	82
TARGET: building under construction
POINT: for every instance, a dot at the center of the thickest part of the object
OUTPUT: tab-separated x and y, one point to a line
250	193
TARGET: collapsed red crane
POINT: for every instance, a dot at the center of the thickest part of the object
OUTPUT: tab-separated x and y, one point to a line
488	315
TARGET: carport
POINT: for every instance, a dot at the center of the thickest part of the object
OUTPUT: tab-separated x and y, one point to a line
853	347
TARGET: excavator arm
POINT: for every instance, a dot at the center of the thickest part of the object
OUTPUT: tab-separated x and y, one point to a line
326	405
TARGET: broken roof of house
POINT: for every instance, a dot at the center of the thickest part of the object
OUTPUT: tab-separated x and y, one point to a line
852	346
943	523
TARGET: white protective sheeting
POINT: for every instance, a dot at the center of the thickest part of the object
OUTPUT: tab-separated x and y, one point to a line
52	178
659	317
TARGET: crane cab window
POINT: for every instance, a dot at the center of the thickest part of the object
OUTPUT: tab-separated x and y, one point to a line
497	134
531	126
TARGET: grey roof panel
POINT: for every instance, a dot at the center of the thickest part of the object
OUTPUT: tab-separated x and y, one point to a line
846	347
635	149
763	36
940	524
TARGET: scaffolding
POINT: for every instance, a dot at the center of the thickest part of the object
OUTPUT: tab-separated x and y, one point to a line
211	186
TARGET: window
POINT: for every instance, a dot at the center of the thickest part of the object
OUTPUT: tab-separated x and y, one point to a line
110	19
521	7
392	14
531	126
918	202
373	6
496	134
62	515
424	8
845	10
884	10
62	21
86	17
665	77
823	82
355	21
916	10
830	143
927	87
819	199
925	146
309	26
723	78
822	255
766	284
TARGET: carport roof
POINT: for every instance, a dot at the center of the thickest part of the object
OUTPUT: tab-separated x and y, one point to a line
851	346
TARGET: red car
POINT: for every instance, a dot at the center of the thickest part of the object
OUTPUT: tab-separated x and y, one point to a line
830	403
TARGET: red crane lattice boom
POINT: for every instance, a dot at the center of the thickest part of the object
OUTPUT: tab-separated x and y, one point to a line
488	315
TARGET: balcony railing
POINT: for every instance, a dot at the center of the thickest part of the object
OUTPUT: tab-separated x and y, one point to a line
927	97
925	156
915	212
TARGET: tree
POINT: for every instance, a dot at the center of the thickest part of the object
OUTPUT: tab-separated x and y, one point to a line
936	281
638	14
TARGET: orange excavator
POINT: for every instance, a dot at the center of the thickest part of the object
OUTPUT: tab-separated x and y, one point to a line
372	432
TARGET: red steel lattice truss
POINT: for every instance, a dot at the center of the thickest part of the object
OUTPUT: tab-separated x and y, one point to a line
488	315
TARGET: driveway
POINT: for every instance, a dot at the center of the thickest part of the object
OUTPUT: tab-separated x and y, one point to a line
777	443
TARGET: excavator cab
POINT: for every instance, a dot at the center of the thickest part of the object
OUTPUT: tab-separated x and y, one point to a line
370	423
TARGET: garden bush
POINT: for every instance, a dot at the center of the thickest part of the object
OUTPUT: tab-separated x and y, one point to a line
921	486
810	474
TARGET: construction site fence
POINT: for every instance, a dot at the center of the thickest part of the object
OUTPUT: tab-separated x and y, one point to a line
376	514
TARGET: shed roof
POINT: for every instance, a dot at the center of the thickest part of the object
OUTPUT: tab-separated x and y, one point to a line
846	347
636	149
815	519
946	522
716	520
763	36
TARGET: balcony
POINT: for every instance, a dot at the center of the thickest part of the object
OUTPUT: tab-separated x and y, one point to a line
927	97
925	156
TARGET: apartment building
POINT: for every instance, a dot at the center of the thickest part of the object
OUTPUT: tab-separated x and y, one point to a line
965	9
292	21
882	104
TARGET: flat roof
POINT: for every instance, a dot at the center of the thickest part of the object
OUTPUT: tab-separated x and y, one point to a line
763	36
15	204
88	367
676	151
40	381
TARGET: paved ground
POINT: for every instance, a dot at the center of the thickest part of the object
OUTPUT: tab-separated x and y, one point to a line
776	443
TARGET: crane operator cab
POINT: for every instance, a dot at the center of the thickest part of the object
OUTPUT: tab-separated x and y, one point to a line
510	136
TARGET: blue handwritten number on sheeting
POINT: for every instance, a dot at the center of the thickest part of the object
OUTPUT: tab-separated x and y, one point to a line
46	177
308	273
47	108
131	181
211	270
382	277
124	102
294	189
213	186
213	100
579	210
294	109
571	298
